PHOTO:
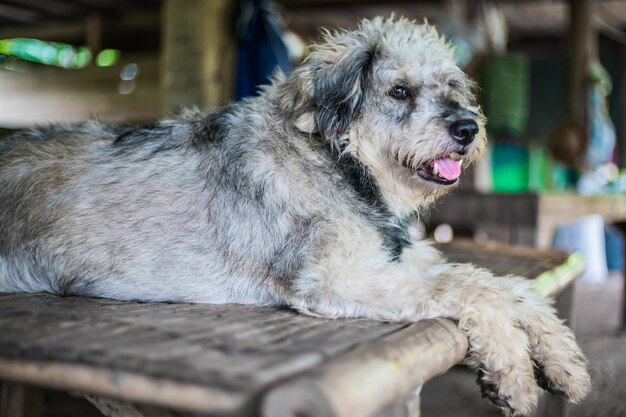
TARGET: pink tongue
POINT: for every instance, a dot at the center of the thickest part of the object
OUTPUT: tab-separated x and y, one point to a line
448	168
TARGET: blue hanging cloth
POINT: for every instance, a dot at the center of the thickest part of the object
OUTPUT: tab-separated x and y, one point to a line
260	47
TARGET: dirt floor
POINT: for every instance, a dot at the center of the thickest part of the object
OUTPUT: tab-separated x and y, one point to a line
596	321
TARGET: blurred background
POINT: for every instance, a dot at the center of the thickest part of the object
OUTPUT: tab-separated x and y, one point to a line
552	84
551	72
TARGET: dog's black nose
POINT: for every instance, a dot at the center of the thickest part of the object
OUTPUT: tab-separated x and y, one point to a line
464	131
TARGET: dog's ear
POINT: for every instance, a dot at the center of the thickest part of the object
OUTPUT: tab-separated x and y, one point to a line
333	81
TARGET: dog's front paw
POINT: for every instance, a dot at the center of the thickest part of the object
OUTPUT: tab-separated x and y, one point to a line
501	353
560	366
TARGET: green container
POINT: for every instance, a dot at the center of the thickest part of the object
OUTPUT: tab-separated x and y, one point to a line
509	165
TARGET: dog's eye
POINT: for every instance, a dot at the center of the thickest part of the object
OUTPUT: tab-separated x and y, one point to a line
399	92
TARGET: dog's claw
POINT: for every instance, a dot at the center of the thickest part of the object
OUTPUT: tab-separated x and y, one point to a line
546	383
490	391
501	403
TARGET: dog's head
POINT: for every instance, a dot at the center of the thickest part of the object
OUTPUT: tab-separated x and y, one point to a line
391	95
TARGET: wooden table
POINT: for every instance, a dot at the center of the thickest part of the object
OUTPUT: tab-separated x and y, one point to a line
240	360
541	213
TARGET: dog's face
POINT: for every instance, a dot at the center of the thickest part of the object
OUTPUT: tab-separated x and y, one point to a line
391	95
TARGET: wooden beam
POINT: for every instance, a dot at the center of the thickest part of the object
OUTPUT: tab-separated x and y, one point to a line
19	14
197	53
584	50
51	7
105	4
75	29
93	32
45	31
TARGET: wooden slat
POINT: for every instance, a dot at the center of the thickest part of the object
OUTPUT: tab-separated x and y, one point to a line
504	259
121	385
221	355
552	270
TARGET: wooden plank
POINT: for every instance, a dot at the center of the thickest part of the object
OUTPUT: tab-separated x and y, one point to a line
552	270
228	352
119	384
504	259
409	406
366	380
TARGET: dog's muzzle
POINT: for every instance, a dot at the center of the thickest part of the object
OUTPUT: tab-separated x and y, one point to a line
445	169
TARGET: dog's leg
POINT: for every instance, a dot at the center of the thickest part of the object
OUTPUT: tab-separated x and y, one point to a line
508	325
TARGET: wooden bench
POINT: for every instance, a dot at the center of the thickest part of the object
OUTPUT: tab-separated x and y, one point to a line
236	359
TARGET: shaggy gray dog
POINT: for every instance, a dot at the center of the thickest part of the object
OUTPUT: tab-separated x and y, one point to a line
299	197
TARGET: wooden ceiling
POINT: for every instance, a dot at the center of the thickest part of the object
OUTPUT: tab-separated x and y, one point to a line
135	25
525	18
128	25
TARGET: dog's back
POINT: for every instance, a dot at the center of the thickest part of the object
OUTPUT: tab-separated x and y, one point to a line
73	206
198	210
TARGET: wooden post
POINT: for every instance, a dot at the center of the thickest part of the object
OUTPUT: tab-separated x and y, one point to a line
17	400
584	50
93	33
197	53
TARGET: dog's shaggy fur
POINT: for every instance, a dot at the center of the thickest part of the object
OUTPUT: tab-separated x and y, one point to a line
298	197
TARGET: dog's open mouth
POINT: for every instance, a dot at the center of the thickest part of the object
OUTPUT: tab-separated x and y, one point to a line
445	170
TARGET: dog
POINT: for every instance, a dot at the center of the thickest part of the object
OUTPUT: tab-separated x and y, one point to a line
298	197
